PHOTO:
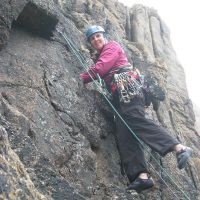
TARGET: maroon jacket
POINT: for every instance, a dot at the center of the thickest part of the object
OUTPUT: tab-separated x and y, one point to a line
111	56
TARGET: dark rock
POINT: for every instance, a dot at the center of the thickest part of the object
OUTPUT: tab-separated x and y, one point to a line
37	21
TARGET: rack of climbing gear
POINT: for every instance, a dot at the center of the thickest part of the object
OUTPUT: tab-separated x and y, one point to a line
128	86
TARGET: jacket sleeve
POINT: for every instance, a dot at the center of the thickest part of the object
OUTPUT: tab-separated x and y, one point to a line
105	62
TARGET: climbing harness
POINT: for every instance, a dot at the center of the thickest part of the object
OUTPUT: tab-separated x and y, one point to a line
99	84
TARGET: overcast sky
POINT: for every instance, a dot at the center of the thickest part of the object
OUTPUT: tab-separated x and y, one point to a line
183	21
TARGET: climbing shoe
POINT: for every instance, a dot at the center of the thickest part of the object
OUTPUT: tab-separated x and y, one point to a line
140	184
182	157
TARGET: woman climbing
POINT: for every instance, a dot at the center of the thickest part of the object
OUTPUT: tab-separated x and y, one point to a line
129	99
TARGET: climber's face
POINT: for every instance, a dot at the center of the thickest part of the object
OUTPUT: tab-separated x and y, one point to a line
98	41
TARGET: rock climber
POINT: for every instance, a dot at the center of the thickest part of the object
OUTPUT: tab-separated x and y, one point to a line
129	99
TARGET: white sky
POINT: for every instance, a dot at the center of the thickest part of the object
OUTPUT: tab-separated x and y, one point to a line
183	21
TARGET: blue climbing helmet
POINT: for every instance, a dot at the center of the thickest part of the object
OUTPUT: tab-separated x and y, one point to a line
93	29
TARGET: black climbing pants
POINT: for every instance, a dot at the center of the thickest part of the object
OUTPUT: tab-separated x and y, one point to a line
130	150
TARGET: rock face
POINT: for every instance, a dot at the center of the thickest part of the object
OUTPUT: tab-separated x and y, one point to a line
55	141
197	117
